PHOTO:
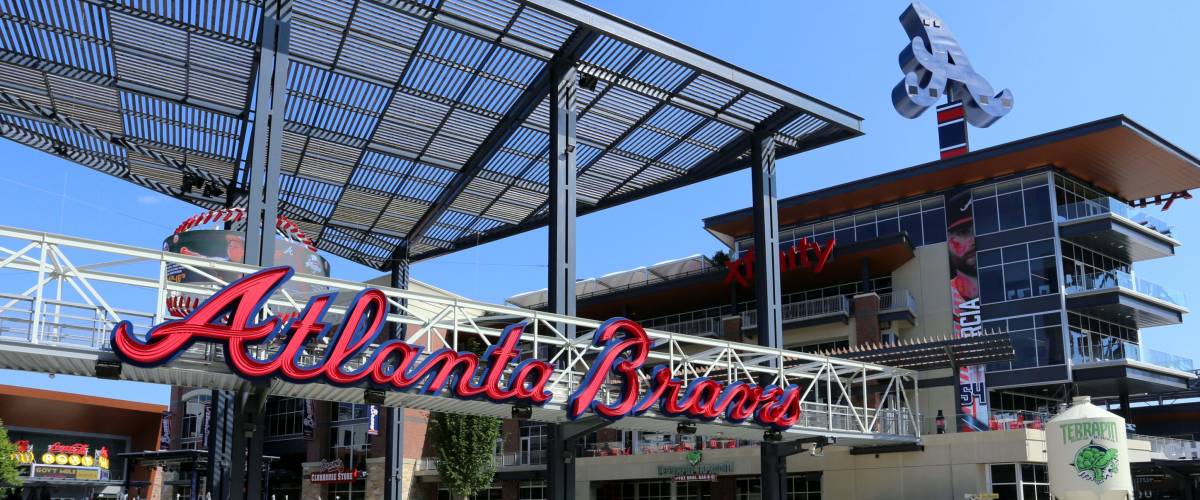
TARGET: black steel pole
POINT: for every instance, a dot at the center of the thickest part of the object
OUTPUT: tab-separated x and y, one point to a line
561	254
393	465
766	283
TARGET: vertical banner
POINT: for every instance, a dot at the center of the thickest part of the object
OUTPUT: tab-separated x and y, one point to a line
206	422
964	299
309	422
164	438
372	420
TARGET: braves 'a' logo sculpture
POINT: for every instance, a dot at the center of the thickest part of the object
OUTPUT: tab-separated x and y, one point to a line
934	64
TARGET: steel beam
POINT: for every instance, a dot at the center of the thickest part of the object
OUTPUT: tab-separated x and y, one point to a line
560	468
524	106
766	285
393	466
267	142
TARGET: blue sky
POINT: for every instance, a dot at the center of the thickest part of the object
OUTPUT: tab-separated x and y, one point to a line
1066	63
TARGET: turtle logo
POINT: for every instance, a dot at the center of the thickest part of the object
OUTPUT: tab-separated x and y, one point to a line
693	458
1095	463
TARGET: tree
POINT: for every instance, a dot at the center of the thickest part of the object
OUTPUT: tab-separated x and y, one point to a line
9	478
465	452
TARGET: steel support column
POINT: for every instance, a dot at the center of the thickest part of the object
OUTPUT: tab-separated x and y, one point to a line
266	143
766	284
560	465
236	486
256	467
393	465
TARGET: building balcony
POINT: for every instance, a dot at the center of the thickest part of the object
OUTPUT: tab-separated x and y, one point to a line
700	327
898	305
1116	228
806	313
1121	297
528	460
1093	348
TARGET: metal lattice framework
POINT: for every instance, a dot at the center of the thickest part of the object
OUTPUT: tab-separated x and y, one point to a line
420	125
60	297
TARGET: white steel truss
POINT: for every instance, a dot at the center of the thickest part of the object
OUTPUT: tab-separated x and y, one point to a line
60	297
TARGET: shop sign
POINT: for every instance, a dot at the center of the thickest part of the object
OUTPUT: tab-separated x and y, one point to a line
231	318
694	477
741	270
333	472
67	472
24	454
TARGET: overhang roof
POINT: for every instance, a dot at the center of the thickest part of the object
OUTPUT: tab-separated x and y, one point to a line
417	123
80	399
1115	154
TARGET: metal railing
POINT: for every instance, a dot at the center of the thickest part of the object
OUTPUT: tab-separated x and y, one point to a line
1172	448
1095	348
111	282
702	327
808	309
1107	280
501	460
1105	206
998	420
897	300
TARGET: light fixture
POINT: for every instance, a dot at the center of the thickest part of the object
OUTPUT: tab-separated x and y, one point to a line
685	428
588	82
772	436
522	412
373	397
108	369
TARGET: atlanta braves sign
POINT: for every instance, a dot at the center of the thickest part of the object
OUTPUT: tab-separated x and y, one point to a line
228	319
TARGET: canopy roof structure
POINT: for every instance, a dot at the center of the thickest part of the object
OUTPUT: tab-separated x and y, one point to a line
933	354
623	280
414	123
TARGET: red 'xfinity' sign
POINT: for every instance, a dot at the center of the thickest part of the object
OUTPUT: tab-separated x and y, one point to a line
796	257
500	375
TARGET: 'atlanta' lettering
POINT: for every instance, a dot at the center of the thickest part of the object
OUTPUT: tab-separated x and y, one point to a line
228	318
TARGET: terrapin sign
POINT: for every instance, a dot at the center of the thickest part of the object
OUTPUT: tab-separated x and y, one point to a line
228	318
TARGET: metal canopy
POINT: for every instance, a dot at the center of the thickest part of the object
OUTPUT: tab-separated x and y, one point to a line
420	124
932	354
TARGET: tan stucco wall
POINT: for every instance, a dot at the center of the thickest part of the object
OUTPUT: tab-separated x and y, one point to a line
927	276
951	466
819	333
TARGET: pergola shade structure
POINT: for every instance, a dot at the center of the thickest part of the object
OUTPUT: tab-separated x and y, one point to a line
420	125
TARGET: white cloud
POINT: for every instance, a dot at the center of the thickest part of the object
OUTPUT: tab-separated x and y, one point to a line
149	199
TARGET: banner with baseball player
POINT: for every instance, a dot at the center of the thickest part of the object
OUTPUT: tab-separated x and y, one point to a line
967	321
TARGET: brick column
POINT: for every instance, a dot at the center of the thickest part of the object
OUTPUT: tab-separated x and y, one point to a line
731	328
866	319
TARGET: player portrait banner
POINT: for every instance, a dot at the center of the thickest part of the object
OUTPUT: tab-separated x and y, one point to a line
972	393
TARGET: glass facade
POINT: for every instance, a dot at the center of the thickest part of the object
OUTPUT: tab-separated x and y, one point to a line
1017	271
1037	340
799	487
924	221
1011	204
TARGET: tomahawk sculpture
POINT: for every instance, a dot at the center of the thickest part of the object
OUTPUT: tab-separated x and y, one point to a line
934	64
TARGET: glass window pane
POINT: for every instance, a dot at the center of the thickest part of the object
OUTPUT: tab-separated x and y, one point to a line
989	258
1037	205
934	226
1008	186
888	226
865	232
910	208
1015	253
1041	248
1012	212
1044	276
1016	280
991	285
985	191
932	203
986	220
911	224
1004	473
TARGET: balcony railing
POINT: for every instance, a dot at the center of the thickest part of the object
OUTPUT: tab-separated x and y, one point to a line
1096	348
897	300
511	459
1172	448
1108	280
998	420
808	309
1091	208
702	327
